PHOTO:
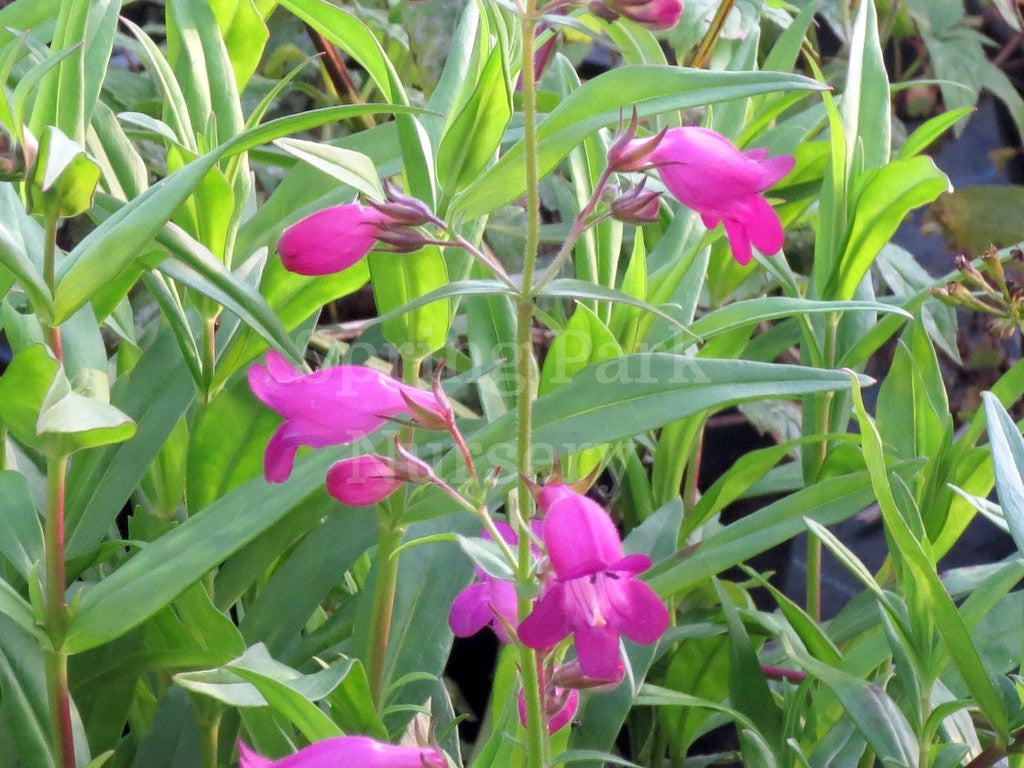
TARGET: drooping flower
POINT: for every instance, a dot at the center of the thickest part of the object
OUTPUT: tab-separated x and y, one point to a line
705	172
330	240
332	406
487	602
349	751
594	595
653	14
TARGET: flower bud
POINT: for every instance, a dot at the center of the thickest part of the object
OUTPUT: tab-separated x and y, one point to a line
636	205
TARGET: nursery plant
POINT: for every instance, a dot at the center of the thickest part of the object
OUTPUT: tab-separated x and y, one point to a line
243	517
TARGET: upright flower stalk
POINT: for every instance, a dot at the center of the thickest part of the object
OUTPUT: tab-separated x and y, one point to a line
53	542
536	721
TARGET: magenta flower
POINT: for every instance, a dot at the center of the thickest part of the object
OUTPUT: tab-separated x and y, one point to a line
653	14
707	173
594	595
362	480
488	602
330	240
349	751
332	406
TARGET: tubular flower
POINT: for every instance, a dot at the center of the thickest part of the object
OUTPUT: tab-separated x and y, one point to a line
350	751
330	240
488	602
705	172
332	406
594	595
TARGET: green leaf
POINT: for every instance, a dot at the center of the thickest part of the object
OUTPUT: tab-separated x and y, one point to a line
245	36
354	37
201	64
886	196
1007	448
347	166
399	279
947	618
753	311
305	577
68	93
166	567
882	724
748	689
155	394
931	130
69	422
570	288
472	138
64	177
599	103
14	258
23	389
311	721
21	534
23	708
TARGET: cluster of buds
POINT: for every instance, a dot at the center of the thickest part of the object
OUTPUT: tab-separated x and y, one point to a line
989	290
403	214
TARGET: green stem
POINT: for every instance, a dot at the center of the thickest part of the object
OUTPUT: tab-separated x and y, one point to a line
57	612
56	660
389	536
209	354
536	723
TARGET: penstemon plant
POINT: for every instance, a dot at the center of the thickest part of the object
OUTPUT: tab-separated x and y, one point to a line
238	530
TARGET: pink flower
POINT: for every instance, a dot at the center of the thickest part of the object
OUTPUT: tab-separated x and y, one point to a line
654	14
349	751
330	240
332	406
594	595
488	602
362	480
707	173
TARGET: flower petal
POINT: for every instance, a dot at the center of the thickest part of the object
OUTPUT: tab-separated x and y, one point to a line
580	537
598	651
739	242
471	610
279	457
636	611
548	623
763	226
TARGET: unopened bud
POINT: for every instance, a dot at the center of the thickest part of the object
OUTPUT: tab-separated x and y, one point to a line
636	205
